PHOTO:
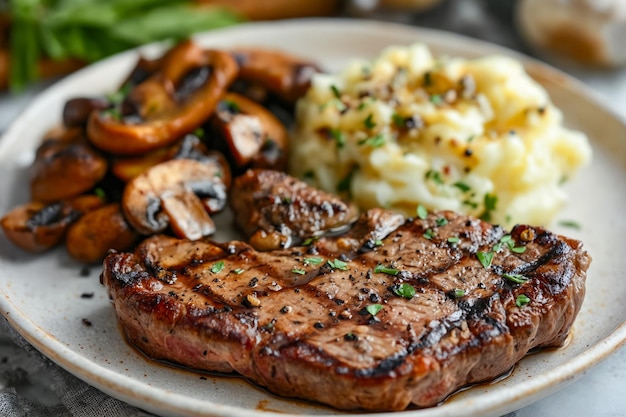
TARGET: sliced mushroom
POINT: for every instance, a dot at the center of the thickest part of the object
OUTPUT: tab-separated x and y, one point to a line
253	135
284	75
190	147
166	106
177	193
37	227
94	234
66	166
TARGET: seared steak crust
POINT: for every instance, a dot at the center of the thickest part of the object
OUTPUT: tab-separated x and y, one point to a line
303	327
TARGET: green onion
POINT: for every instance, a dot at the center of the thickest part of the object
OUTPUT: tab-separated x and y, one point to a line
522	300
369	122
570	223
217	267
374	309
422	213
435	176
335	91
436	99
339	136
338	264
462	186
485	258
315	260
374	141
516	278
384	270
298	271
404	290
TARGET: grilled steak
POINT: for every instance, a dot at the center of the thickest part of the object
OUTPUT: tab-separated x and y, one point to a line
409	319
276	210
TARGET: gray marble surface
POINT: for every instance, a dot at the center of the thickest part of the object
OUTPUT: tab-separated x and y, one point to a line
601	392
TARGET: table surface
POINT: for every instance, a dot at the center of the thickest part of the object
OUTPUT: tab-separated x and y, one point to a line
602	391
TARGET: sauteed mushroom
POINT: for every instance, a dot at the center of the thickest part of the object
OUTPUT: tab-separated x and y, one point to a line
90	237
77	110
284	75
37	227
190	147
177	193
169	104
253	135
66	166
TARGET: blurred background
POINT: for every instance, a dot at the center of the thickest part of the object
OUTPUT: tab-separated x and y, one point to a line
42	40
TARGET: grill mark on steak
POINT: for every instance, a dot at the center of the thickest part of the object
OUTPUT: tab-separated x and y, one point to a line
311	336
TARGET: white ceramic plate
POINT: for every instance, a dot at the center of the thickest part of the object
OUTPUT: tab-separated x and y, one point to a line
41	295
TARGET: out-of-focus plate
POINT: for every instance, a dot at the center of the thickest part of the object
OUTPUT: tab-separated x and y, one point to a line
41	295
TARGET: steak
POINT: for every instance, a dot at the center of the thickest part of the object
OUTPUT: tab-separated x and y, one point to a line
275	210
432	305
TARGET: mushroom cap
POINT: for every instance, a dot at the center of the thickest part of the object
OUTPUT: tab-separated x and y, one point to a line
175	193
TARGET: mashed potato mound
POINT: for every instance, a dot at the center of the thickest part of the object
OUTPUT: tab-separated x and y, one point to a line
475	136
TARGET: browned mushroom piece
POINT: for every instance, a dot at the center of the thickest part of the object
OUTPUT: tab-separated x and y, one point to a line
285	75
189	147
177	193
76	111
37	227
172	102
95	233
66	166
253	136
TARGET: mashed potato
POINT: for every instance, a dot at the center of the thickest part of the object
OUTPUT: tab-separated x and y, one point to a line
475	136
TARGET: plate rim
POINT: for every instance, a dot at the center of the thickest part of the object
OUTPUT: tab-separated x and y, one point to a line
555	379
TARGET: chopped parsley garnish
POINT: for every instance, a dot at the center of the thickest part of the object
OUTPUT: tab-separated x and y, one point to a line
398	120
315	260
490	201
441	221
522	300
404	290
429	234
114	113
378	242
516	278
384	270
485	258
453	239
458	293
217	267
339	136
374	309
470	203
298	271
199	132
99	192
362	105
335	91
238	271
338	264
369	122
422	213
508	240
462	186
309	240
436	99
518	249
570	223
435	176
373	141
119	96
